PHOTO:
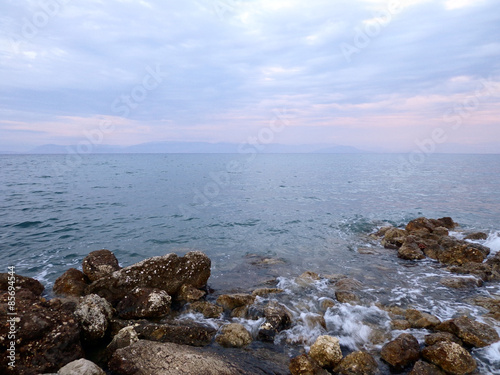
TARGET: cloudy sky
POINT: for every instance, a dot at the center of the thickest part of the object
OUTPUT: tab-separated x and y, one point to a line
380	75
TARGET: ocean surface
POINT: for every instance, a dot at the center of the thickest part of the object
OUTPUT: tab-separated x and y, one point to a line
297	212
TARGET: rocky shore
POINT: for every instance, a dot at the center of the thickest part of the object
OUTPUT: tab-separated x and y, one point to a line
160	316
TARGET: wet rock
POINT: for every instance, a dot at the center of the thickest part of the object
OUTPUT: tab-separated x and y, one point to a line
168	273
125	337
99	263
424	368
357	363
304	365
209	310
434	338
402	351
482	270
347	297
470	332
240	312
490	304
476	236
419	319
410	249
263	292
47	334
441	231
461	282
446	222
277	319
457	252
188	293
81	367
394	238
144	303
154	358
400	324
307	278
234	335
232	301
71	283
348	284
93	313
312	320
494	262
326	303
420	224
326	351
430	247
382	231
450	357
21	282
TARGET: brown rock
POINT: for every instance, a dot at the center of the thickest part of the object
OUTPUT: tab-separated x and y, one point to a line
231	301
326	351
125	337
476	236
446	222
240	312
461	282
21	282
234	335
357	363
346	297
188	293
441	231
71	283
424	368
400	324
484	271
263	292
410	249
326	303
491	304
470	332
394	238
348	285
277	319
402	351
419	319
168	273
304	365
456	252
209	310
144	303
420	224
99	263
434	338
450	357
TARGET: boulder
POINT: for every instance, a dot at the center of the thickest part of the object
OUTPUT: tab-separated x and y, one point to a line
476	236
461	282
277	319
434	338
419	319
232	301
234	335
307	278
304	365
326	351
484	271
21	282
357	363
410	249
425	368
93	313
441	231
394	238
168	273
99	263
125	337
490	304
401	352
209	310
400	324
472	333
81	367
188	293
71	283
456	252
450	357
420	224
154	358
47	333
347	297
144	303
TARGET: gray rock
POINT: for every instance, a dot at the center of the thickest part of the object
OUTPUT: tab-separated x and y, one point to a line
234	335
94	313
81	367
125	337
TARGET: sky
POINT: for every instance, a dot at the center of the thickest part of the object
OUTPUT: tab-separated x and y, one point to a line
385	76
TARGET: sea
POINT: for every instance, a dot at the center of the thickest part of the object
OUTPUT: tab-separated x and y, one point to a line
263	219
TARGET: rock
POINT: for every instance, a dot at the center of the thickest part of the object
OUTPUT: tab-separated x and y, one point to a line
312	320
420	224
263	292
99	263
326	303
93	313
400	324
434	338
71	283
346	297
125	337
357	363
307	278
240	312
424	368
209	310
81	367
304	365
382	231
401	352
446	222
410	250
188	293
144	303
326	351
277	319
168	273
456	252
482	270
461	282
231	301
494	263
476	236
21	282
234	335
47	334
348	284
154	358
441	231
450	357
418	319
470	332
394	238
491	304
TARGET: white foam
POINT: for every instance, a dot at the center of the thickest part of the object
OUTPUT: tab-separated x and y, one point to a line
493	242
490	356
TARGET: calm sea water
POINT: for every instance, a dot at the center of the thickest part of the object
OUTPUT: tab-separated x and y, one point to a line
308	212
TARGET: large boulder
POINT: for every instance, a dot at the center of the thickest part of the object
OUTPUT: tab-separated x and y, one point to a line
234	335
169	273
99	263
21	282
357	363
467	282
154	358
401	352
81	367
436	337
94	313
419	319
326	351
457	252
472	333
144	303
394	238
71	283
450	357
47	334
125	337
425	368
410	249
